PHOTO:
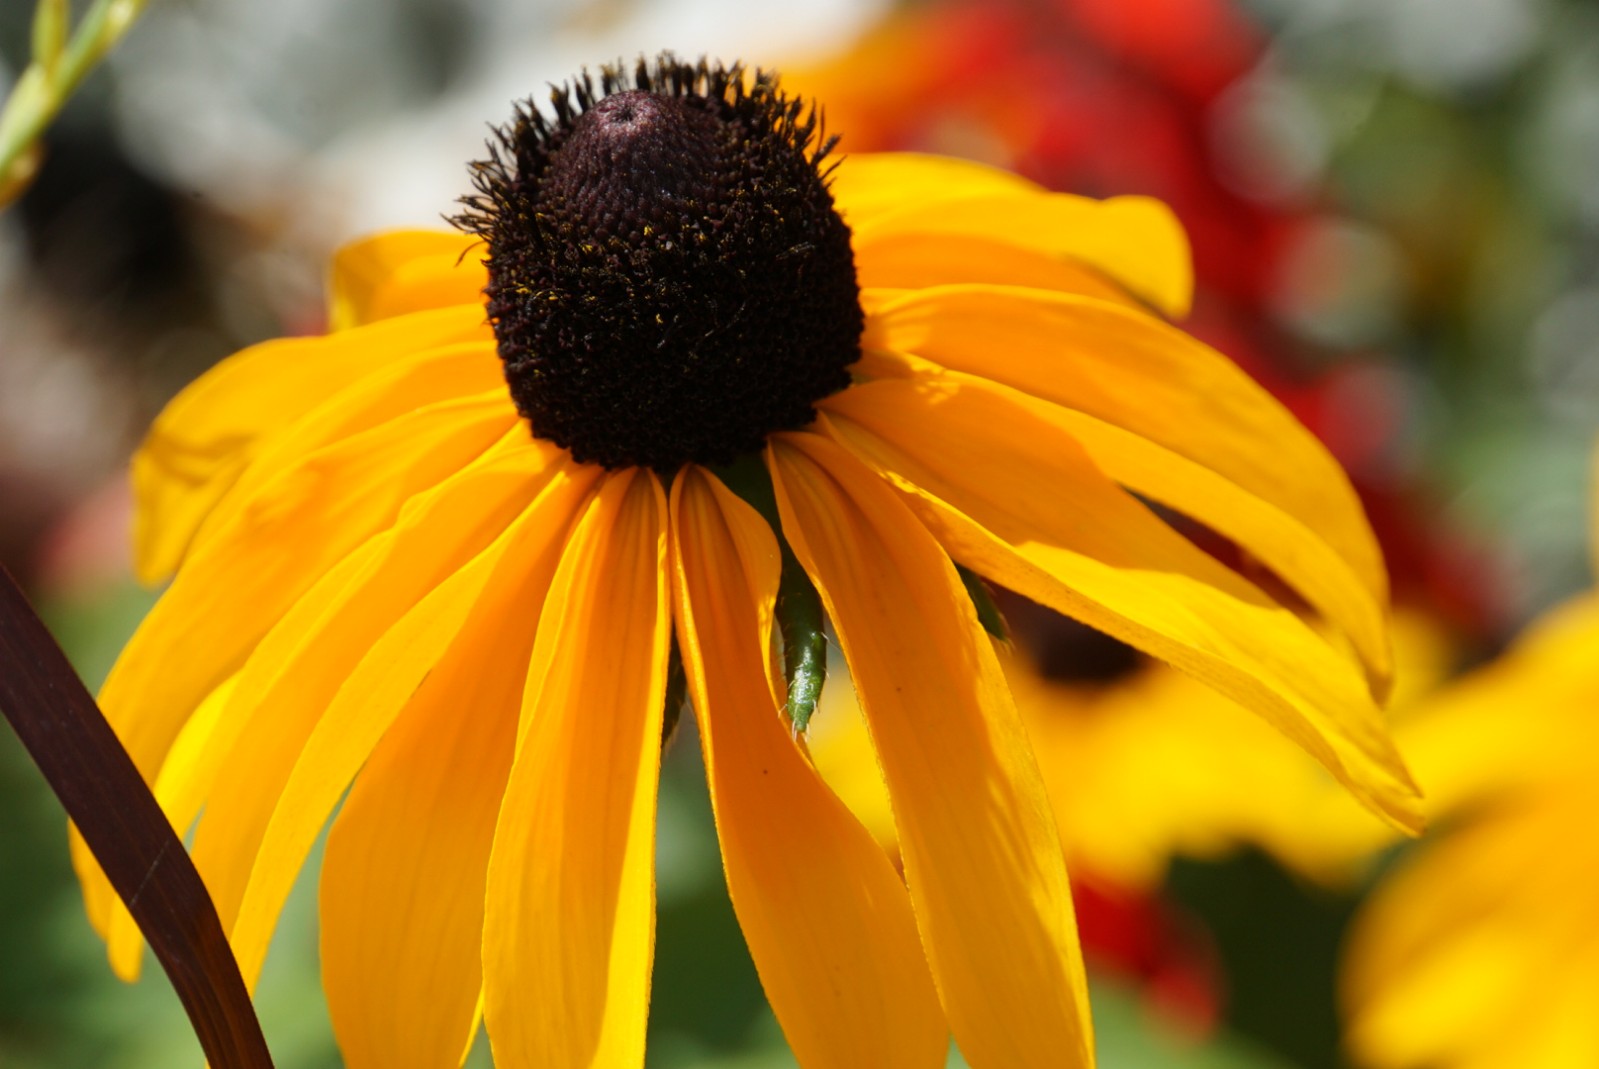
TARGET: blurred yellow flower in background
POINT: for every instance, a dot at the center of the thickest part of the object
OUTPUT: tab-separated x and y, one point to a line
1482	948
1154	764
446	556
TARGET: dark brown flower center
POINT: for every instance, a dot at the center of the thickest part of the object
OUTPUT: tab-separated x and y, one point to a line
668	279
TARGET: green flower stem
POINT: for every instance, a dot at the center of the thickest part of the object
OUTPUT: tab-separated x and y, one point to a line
59	66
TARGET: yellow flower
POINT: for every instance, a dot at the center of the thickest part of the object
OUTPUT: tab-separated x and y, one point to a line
388	571
1482	950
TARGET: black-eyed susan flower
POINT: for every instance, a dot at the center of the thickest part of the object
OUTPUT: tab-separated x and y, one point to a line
1482	948
447	556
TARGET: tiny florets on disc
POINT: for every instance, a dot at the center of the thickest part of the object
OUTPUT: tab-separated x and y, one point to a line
668	278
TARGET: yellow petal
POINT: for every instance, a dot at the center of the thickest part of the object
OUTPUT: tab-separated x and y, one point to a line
403	271
1147	378
1008	492
1471	941
569	931
1522	720
1135	241
913	260
205	625
176	791
1294	551
827	919
868	186
1553	1028
230	594
271	741
431	657
294	674
404	876
1447	1004
406	385
208	434
401	921
839	746
982	856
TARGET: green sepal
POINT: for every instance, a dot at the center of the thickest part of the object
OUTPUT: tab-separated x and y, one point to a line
799	606
988	613
799	621
676	695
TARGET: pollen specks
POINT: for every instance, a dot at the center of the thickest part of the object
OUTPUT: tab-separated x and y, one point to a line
668	278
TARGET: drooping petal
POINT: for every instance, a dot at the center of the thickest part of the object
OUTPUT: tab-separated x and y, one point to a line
1009	493
299	667
229	595
569	928
1155	382
982	856
209	433
403	879
431	657
400	272
301	662
401	912
840	747
1135	241
827	919
310	518
1297	553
